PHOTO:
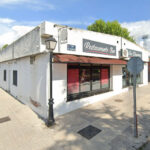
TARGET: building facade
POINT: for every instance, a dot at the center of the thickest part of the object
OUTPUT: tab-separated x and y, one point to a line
87	67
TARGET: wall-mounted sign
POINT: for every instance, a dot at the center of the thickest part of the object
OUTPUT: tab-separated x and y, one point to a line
71	47
63	35
133	53
99	48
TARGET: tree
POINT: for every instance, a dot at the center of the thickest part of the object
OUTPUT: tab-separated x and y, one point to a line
113	28
4	46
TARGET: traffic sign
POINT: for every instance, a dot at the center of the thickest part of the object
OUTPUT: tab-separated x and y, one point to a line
135	65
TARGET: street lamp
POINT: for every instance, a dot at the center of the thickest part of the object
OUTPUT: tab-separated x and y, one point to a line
50	45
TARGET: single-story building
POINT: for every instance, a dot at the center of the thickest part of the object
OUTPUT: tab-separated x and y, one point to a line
87	67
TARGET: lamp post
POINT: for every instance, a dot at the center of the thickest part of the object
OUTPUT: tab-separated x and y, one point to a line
50	45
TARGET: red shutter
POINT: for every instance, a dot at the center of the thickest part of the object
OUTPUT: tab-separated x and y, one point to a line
73	81
104	78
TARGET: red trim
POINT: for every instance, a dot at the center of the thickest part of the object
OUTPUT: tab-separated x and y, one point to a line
65	58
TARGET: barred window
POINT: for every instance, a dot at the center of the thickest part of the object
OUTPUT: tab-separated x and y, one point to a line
15	78
5	76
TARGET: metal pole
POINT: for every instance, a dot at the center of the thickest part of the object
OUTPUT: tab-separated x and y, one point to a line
51	120
134	97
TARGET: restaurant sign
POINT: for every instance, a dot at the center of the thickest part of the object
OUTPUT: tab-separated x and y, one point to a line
133	53
99	48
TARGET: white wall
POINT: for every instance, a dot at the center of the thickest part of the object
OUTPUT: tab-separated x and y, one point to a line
3	83
27	45
61	105
59	88
32	43
145	73
32	81
117	77
132	46
76	36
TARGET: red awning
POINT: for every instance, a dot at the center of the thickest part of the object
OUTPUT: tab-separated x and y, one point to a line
64	58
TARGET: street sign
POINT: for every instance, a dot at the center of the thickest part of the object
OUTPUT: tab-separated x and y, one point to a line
135	65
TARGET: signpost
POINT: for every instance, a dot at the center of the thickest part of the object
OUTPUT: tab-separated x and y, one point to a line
135	66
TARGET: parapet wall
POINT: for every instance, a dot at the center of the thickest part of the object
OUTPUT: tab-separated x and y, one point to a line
29	44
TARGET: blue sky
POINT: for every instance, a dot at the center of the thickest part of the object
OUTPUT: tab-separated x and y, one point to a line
17	15
78	13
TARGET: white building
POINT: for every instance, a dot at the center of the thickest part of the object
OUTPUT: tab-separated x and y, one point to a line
87	67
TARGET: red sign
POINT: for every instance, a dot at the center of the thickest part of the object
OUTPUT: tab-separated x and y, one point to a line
104	77
73	81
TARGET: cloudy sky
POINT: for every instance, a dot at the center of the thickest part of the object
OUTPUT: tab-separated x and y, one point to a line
19	16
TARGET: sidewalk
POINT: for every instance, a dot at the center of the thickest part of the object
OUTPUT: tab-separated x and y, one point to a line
25	131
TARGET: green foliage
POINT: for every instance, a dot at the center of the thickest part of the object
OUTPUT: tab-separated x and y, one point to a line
113	28
4	46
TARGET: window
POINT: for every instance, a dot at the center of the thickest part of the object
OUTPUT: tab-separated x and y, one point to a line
15	77
96	79
5	76
127	78
86	80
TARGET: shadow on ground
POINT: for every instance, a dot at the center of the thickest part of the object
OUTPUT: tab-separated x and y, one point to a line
117	129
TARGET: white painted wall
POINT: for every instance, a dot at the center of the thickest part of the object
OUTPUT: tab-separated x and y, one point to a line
75	37
132	46
60	90
27	45
145	73
32	81
33	43
117	77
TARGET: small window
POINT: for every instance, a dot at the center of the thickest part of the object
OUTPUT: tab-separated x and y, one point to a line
4	75
15	77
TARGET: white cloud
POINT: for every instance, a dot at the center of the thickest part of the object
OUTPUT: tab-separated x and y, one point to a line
32	4
138	30
11	29
10	32
12	2
13	33
6	20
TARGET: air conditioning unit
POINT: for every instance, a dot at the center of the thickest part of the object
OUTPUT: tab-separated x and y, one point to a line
124	53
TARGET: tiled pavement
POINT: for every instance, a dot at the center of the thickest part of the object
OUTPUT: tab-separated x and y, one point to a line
25	131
